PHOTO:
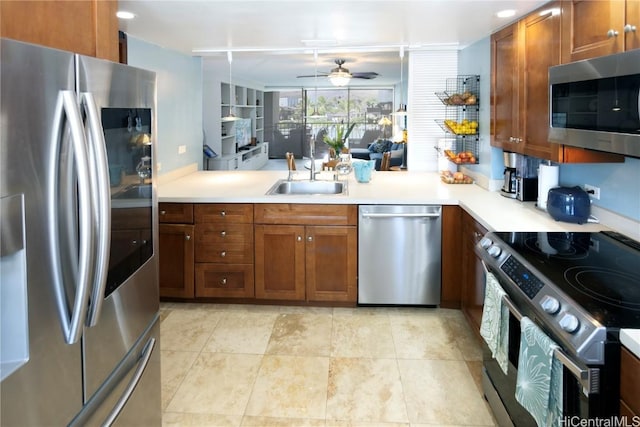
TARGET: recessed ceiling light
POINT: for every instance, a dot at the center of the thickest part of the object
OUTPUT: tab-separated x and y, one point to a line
123	14
507	13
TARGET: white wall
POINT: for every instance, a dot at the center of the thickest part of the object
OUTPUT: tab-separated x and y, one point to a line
179	109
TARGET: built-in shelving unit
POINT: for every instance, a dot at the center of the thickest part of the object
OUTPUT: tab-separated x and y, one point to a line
461	99
241	141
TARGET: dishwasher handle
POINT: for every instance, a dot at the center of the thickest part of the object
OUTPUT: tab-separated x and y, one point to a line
401	215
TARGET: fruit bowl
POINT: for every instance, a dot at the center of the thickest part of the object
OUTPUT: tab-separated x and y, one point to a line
449	177
463	157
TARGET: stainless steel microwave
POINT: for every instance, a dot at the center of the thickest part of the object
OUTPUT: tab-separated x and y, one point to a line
595	103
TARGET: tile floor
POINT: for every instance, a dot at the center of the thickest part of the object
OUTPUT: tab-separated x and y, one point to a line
247	365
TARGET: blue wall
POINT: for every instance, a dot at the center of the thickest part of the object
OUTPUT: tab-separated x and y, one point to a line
619	182
179	94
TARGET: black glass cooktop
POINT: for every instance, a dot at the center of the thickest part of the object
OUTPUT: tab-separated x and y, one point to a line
600	271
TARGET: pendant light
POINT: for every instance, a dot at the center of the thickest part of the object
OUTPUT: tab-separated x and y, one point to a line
230	116
402	109
315	114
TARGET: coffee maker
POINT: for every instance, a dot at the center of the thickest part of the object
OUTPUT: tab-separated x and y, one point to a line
510	185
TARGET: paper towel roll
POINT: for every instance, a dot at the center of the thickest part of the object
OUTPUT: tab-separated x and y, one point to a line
547	179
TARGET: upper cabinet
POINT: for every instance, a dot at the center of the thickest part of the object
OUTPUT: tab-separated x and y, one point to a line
521	55
87	27
597	28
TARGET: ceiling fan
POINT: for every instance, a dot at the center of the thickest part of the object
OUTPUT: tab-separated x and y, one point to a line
340	76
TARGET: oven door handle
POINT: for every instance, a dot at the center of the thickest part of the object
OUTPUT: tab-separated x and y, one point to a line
589	378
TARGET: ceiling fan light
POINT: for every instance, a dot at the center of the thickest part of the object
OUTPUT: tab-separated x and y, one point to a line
339	78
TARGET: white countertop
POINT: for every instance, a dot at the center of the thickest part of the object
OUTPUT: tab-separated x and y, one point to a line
630	338
489	208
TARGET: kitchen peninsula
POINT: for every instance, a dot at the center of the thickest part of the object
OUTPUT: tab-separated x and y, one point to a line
489	208
218	226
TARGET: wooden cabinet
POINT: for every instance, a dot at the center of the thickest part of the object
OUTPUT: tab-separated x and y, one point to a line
88	27
176	250
452	257
521	55
629	385
597	28
224	250
473	276
306	252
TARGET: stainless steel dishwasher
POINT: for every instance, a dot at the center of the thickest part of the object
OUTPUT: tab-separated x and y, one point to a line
399	253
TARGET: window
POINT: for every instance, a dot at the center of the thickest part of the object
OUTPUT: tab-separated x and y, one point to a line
324	109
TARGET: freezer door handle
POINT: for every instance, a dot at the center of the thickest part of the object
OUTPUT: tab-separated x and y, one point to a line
67	107
101	204
126	394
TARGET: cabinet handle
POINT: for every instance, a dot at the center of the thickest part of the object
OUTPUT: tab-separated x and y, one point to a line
223	233
299	239
134	242
223	282
310	238
629	28
612	33
187	237
223	254
163	212
223	213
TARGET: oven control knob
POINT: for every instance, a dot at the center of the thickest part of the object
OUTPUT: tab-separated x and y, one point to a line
569	323
485	242
550	304
494	251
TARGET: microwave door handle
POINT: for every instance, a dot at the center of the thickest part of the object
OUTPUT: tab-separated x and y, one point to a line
66	106
102	206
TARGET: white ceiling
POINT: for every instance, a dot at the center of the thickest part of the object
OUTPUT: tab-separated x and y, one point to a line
268	37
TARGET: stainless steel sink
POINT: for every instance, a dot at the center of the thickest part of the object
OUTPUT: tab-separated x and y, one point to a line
142	191
283	186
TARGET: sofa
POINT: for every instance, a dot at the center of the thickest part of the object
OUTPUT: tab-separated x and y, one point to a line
376	149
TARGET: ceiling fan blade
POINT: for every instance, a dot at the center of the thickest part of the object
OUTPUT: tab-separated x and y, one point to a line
364	75
320	74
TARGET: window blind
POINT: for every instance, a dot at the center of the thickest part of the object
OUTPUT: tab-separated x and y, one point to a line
428	74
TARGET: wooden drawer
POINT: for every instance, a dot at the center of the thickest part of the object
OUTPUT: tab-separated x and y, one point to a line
235	247
175	213
233	213
630	380
216	280
302	214
224	234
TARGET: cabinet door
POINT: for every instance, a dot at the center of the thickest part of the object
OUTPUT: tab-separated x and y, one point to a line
504	88
280	262
587	26
451	256
632	38
86	27
331	263
541	43
176	260
224	281
473	276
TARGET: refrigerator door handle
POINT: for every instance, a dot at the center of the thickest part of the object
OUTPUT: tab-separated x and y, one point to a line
101	205
66	106
126	394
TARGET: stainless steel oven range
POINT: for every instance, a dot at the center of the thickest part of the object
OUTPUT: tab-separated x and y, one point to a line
580	289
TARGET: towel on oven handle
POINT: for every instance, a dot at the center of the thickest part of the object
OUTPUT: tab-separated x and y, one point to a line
539	379
494	327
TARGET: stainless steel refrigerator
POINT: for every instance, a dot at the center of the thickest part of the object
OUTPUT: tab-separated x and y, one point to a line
79	329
